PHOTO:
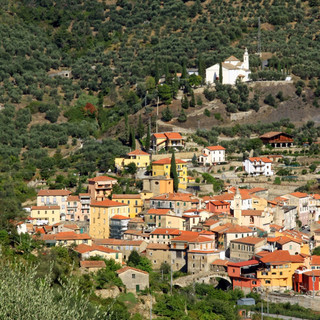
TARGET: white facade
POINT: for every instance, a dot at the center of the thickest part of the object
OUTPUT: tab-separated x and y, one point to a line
232	70
258	166
211	155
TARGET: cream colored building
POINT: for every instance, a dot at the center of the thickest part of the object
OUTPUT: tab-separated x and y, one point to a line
100	187
134	279
158	253
54	198
243	249
51	214
100	214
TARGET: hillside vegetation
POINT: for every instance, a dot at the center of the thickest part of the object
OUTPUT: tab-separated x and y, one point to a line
117	51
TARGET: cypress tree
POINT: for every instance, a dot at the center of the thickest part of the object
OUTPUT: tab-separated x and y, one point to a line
201	68
126	128
148	138
132	139
185	102
220	72
140	128
173	173
193	100
156	72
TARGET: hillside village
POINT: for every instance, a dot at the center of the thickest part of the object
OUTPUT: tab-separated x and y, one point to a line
259	242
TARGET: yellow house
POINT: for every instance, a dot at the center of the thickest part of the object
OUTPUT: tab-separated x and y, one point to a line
139	157
279	269
134	202
49	213
162	168
158	185
100	214
167	140
170	221
259	203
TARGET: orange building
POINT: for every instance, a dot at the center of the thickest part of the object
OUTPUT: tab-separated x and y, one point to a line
100	187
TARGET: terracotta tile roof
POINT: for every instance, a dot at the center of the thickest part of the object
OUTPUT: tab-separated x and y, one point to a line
71	226
204	155
299	194
262	253
252	262
40	230
315	260
220	262
92	264
316	196
284	240
214	148
83	248
158	211
270	134
157	246
119	217
126	196
251	213
69	235
204	251
280	257
122	270
262	159
54	192
192	238
138	153
159	135
167	161
205	232
118	242
73	198
102	178
173	135
249	240
256	189
312	273
165	231
210	222
107	203
232	58
45	207
238	229
84	194
185	197
276	227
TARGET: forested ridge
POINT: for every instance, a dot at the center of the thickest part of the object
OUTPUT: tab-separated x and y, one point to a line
116	52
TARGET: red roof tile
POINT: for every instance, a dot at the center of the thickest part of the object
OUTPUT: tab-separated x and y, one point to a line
315	260
167	161
249	240
119	217
159	135
69	235
214	148
158	211
251	212
122	270
102	178
107	203
262	159
164	231
118	242
220	262
73	198
299	194
280	257
244	263
54	192
83	248
138	153
173	135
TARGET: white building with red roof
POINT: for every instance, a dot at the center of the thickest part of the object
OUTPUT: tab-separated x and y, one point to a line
212	155
258	166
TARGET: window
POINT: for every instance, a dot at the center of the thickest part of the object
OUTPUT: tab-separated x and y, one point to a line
280	273
150	253
267	281
133	276
254	282
154	261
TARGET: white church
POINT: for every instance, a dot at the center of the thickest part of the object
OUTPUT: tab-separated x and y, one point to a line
232	69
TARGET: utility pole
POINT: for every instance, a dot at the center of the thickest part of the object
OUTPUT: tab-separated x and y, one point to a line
313	281
261	310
